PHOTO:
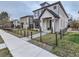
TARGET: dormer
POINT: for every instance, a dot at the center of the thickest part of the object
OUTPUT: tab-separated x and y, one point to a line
44	4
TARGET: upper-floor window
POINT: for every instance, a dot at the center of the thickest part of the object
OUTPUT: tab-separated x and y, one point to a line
54	7
36	13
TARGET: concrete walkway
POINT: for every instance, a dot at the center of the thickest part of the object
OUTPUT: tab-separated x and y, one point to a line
2	46
21	48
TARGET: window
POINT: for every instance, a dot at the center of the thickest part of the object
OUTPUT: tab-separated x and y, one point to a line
54	7
35	14
36	24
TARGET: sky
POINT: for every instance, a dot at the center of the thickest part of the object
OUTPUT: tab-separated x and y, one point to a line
17	9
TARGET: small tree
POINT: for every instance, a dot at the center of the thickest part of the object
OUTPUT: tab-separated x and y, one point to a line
74	25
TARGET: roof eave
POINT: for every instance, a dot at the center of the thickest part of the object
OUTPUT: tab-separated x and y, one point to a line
47	6
54	4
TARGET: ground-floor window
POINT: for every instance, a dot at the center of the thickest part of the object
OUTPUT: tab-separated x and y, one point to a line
37	24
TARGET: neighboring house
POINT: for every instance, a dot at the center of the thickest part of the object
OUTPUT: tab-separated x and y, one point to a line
26	21
50	16
16	23
7	25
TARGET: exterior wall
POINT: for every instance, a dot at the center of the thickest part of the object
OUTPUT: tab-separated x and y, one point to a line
30	20
37	13
43	24
26	22
49	15
16	23
52	8
63	20
56	27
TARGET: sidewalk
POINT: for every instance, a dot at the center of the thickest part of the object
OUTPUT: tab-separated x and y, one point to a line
21	48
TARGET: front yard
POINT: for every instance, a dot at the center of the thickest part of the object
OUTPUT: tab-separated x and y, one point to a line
1	40
68	46
22	32
48	39
5	53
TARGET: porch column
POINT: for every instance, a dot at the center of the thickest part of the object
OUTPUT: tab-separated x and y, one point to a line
41	24
53	21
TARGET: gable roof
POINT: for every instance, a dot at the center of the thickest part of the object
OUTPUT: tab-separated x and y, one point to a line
26	16
52	5
53	13
44	3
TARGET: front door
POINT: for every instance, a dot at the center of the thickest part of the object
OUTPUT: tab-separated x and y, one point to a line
47	23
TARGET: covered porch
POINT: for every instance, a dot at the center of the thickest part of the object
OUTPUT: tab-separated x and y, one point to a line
49	21
49	24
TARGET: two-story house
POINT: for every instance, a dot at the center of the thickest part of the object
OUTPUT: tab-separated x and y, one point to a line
50	16
16	23
26	21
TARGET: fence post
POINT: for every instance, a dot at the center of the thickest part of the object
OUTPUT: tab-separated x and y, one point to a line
56	39
40	35
31	34
24	33
27	34
21	31
60	34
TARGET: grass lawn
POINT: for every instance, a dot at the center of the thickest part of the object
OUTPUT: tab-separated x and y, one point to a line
48	39
20	32
14	33
67	47
1	40
5	53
